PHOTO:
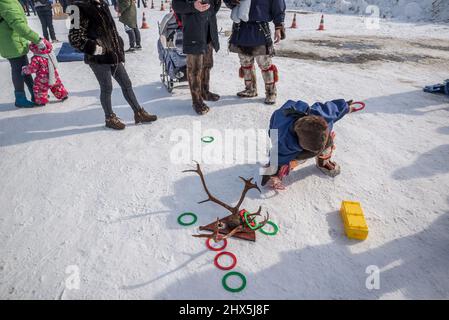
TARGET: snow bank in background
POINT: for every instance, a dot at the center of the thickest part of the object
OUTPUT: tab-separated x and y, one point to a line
423	10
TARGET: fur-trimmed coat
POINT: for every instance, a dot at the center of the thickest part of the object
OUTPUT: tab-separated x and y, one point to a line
97	27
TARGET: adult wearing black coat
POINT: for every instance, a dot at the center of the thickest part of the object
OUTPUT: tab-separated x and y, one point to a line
98	38
200	38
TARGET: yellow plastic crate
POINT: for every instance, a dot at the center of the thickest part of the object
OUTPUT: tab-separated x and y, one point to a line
354	220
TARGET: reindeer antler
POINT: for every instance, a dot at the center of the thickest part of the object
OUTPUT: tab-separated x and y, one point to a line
210	196
248	186
215	235
234	210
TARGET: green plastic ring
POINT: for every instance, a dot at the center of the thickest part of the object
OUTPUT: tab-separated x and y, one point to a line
207	139
185	214
233	273
249	224
274	232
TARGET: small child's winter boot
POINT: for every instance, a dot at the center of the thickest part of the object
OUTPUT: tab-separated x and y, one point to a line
22	101
114	122
249	76
328	167
270	77
270	94
142	116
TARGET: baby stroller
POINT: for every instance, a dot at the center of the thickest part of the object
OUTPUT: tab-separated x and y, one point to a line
169	45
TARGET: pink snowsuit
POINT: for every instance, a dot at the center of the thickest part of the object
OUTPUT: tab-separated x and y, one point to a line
42	81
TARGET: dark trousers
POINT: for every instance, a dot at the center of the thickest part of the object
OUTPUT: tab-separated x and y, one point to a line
27	4
134	37
198	73
16	74
104	74
144	3
46	17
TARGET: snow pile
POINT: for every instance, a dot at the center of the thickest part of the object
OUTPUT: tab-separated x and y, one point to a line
424	10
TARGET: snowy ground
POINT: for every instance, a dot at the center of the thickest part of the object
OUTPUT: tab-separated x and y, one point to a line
76	193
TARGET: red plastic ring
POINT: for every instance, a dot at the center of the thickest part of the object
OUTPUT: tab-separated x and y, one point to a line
225	243
234	262
362	106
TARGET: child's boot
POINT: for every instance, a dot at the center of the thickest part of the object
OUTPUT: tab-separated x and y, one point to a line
22	101
142	116
270	94
114	122
328	167
270	77
249	75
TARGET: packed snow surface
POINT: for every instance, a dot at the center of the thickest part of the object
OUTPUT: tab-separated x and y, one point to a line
412	10
78	199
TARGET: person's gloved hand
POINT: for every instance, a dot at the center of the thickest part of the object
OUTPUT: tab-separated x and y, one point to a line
41	45
99	50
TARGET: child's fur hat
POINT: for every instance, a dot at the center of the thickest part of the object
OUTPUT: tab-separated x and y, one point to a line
312	132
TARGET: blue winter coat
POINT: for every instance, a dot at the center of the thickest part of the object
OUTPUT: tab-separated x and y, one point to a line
250	34
288	143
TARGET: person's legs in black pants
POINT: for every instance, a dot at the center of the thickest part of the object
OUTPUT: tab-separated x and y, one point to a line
104	76
121	76
131	36
16	74
43	20
49	18
18	82
137	36
31	3
24	4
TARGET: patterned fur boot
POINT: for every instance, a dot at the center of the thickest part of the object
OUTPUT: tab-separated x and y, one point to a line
270	77
249	75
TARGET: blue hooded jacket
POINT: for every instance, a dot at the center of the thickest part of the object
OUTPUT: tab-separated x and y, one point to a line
288	143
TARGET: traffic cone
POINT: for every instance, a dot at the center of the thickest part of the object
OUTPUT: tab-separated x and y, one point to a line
294	22
162	6
321	27
152	4
144	22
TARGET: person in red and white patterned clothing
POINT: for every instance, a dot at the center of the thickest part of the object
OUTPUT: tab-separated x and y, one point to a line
44	65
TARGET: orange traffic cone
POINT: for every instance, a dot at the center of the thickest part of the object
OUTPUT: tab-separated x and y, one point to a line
294	22
162	6
321	27
144	22
152	4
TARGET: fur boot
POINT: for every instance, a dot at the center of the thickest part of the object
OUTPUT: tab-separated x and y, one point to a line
270	77
207	95
249	76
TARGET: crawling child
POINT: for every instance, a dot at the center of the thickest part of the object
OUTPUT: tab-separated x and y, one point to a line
44	65
305	132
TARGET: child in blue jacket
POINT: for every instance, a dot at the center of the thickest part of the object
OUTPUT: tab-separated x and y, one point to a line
305	132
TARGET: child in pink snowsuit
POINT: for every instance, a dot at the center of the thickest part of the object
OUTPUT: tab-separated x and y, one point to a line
44	65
